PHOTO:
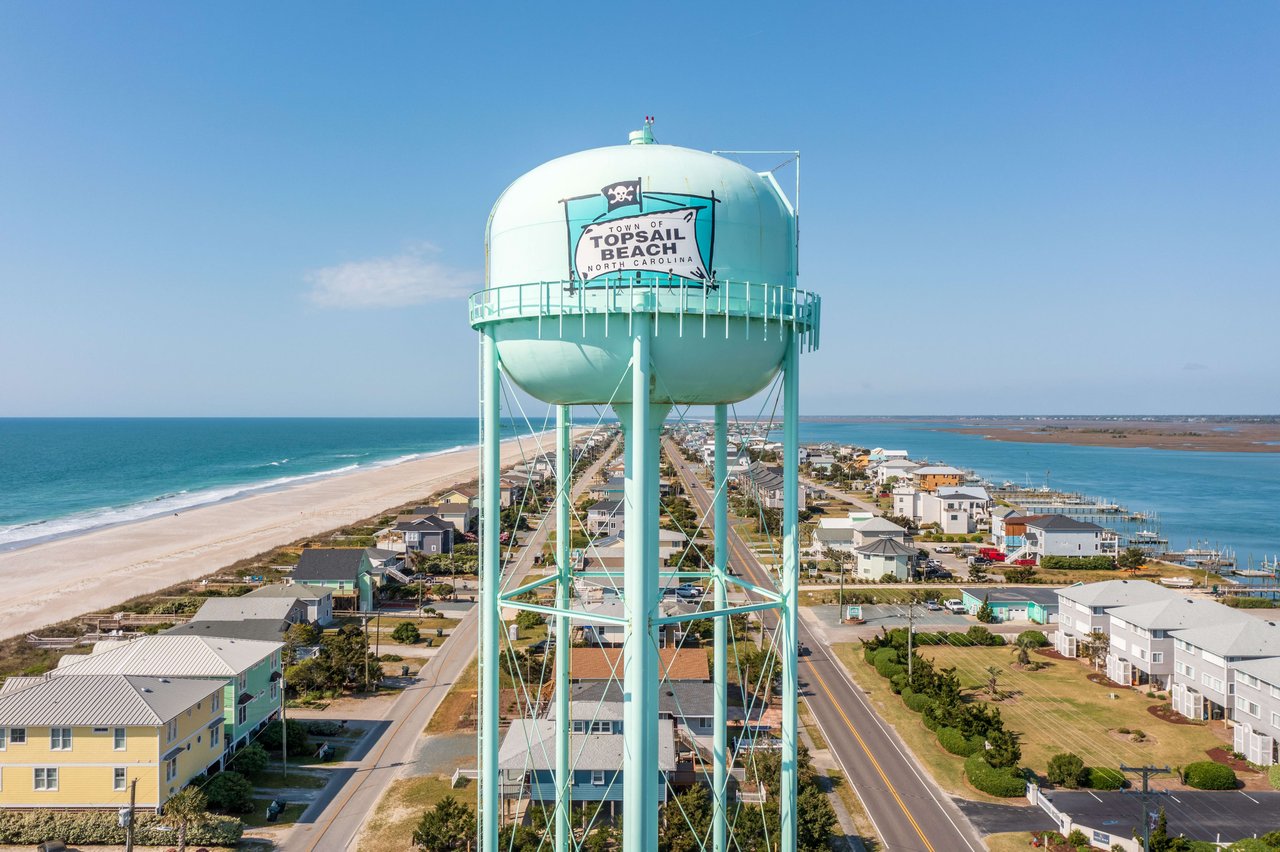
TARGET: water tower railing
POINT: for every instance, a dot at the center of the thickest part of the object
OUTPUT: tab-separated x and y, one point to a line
767	308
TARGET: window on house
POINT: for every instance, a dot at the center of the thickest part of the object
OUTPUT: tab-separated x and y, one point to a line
60	739
217	701
273	690
242	714
1244	705
601	727
1275	720
46	778
18	736
215	735
118	739
172	730
597	777
4	740
118	780
1157	656
171	769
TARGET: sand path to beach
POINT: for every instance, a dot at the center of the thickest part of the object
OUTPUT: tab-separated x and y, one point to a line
58	580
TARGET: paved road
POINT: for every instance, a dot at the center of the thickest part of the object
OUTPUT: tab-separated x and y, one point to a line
1230	815
333	821
908	811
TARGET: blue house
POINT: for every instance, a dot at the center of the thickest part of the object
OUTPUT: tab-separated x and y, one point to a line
526	760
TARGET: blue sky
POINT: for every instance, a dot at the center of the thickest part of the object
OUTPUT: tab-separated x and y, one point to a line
271	209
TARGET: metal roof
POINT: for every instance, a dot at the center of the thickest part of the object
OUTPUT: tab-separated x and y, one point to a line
886	546
687	699
291	591
997	595
1110	593
231	609
531	744
1176	612
99	699
1247	638
260	629
170	656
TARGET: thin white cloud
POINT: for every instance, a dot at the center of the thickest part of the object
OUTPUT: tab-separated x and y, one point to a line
410	278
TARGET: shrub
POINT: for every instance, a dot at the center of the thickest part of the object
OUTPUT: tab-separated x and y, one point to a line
1077	839
1248	603
299	741
230	792
889	668
889	654
955	742
1033	639
250	760
1005	783
1273	775
1138	735
918	701
1207	775
979	635
1018	573
1124	731
1101	778
898	682
406	633
530	620
1080	563
100	828
1066	770
391	658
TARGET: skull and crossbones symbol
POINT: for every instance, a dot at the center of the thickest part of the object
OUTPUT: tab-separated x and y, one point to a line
620	193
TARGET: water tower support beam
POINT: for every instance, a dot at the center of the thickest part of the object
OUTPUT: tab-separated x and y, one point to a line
564	446
790	586
490	578
720	675
640	588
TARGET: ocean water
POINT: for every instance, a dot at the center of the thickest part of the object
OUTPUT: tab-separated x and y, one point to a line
1229	500
63	476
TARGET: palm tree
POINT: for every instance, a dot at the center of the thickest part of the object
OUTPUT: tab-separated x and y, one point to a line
1022	648
993	673
187	806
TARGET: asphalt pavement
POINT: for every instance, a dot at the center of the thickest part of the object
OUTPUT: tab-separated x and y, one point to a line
907	809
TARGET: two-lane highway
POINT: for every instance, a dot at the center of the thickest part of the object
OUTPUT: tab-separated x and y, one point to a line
907	808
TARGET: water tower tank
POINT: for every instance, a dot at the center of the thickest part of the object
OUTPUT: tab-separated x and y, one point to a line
582	246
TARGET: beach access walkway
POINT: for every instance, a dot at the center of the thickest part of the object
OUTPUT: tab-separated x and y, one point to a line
334	820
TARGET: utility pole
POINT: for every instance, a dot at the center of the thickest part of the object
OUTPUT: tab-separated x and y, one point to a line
284	733
128	824
1146	772
911	624
366	652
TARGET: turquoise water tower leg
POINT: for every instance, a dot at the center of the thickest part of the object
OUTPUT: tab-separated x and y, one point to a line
490	578
720	676
640	586
564	429
790	588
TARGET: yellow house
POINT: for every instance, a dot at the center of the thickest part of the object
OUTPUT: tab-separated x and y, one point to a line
80	741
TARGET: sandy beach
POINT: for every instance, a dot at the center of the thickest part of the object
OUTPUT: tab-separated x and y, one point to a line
57	580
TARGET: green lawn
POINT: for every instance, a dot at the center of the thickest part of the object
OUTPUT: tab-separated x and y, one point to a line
1054	710
275	778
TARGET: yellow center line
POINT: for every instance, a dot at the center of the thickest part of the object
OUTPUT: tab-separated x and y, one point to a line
738	547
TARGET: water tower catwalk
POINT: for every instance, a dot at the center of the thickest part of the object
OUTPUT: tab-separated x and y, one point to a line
641	279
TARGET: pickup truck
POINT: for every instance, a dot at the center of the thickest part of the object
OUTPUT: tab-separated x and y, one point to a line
956	606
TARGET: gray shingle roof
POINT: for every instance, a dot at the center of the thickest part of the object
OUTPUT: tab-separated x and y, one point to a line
531	744
241	608
427	522
994	594
99	699
330	563
290	591
886	547
257	629
1061	523
1248	637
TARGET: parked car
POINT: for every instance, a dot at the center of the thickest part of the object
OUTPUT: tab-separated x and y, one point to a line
933	606
937	574
689	590
802	650
942	548
543	645
956	606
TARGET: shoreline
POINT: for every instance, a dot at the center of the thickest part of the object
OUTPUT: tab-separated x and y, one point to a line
238	491
1120	436
70	576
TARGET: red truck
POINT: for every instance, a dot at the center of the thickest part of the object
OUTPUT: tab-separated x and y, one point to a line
991	553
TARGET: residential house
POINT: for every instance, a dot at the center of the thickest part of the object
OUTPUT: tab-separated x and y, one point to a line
838	533
347	572
821	462
880	454
1257	715
606	663
1013	603
596	707
885	555
1037	536
248	670
935	476
81	741
1084	608
1141	649
605	516
893	469
526	761
425	534
244	608
318	601
766	486
1205	661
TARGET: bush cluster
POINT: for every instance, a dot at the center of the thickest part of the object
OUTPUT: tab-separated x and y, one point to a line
916	701
99	827
1207	775
1101	778
957	743
1079	563
1005	782
1032	639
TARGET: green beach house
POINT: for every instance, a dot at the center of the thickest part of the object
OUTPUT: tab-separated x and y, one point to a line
1014	604
352	574
250	670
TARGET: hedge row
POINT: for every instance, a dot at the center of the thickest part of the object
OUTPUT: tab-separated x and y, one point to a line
916	701
1207	775
1083	563
956	743
1101	778
99	827
1005	783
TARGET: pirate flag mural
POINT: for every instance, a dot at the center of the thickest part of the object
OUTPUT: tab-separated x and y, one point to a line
623	232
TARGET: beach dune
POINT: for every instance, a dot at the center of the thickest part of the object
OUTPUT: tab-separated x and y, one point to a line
58	580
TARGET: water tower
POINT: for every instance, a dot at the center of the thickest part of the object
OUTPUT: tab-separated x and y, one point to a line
641	277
